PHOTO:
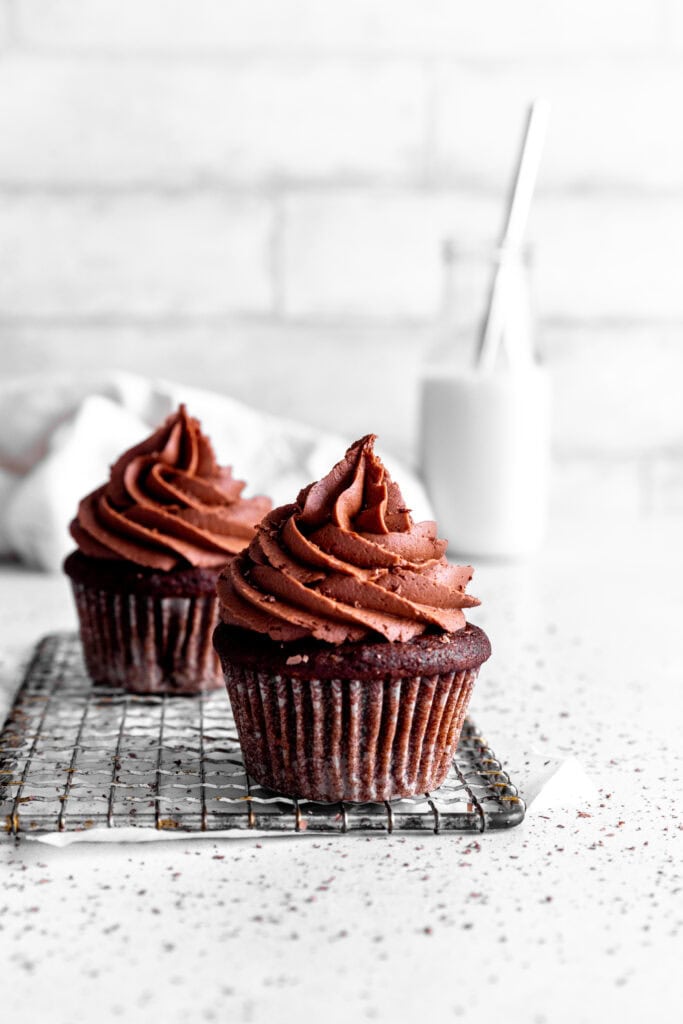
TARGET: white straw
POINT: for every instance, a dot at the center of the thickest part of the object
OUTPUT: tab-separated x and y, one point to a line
517	216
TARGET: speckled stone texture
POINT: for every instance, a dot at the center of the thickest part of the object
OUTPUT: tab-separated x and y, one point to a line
142	639
371	732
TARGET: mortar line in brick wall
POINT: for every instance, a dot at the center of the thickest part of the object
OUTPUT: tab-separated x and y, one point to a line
341	324
645	481
13	32
566	454
276	255
666	29
254	326
609	323
429	116
223	55
269	189
439	186
249	53
83	189
640	461
183	321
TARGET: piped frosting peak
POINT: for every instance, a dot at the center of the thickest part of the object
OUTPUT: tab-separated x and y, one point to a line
345	562
168	504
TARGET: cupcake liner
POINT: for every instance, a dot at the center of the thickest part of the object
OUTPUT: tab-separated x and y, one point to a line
147	643
347	739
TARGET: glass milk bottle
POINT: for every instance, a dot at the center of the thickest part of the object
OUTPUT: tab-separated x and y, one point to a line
485	424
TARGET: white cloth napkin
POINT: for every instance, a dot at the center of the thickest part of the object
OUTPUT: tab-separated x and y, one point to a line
60	434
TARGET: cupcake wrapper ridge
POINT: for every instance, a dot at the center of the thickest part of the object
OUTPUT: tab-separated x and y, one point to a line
346	739
149	644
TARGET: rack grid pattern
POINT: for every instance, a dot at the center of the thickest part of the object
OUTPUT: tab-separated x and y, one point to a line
75	756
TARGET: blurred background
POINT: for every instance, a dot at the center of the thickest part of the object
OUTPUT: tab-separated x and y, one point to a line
251	196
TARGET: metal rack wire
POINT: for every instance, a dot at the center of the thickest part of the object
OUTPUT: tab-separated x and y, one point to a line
76	756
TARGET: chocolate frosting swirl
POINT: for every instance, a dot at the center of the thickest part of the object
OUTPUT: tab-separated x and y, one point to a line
168	504
344	562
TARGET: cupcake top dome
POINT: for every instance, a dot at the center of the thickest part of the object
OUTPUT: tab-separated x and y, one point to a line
168	504
345	561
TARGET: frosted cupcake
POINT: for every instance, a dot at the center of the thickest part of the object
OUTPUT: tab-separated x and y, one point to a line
346	653
150	545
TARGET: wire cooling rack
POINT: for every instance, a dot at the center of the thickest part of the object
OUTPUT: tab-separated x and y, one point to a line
76	756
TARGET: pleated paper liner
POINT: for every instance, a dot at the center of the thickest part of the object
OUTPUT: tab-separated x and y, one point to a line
149	643
346	739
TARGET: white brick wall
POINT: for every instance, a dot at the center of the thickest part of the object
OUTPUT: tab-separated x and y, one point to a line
598	497
103	122
613	381
613	127
376	254
663	486
133	256
489	28
674	26
370	254
268	183
610	257
4	24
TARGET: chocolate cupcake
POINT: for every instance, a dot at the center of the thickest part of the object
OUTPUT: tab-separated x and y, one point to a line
151	543
346	654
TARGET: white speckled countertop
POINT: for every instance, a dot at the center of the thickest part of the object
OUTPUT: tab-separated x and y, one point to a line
575	914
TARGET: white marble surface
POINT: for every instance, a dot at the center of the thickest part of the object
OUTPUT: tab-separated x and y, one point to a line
575	914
